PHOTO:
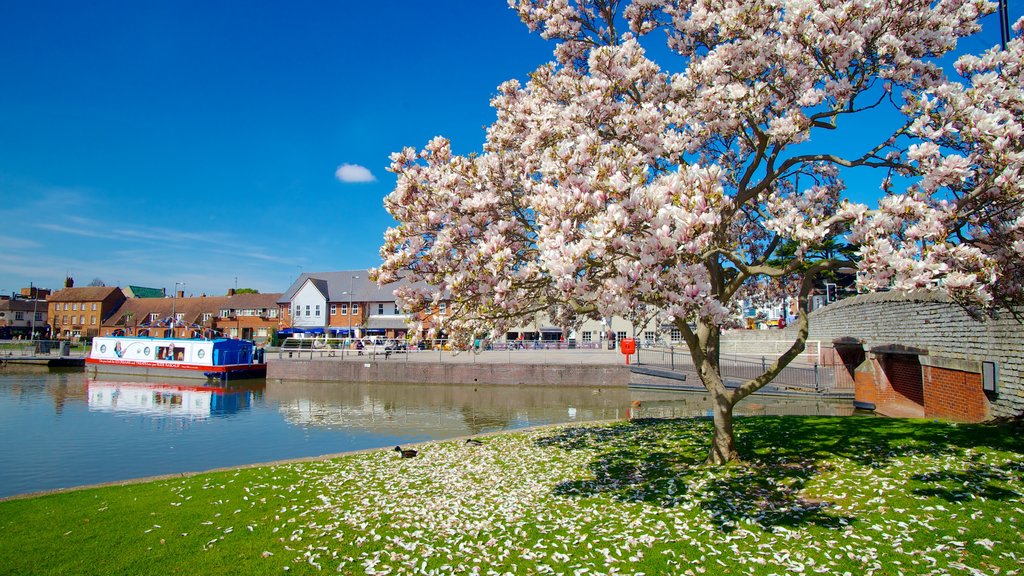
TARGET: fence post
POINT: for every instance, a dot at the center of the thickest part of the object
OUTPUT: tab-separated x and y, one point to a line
816	377
672	356
764	367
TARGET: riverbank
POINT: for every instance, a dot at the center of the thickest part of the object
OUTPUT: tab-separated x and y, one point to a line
863	495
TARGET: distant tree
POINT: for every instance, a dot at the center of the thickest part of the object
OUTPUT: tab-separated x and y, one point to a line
97	282
609	182
247	291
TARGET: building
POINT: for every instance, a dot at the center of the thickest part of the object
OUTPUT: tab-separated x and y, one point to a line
246	316
143	292
342	304
80	312
23	317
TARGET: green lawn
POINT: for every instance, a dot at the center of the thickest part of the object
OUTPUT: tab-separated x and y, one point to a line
815	495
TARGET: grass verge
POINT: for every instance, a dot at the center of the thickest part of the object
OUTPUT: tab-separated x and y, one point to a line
814	495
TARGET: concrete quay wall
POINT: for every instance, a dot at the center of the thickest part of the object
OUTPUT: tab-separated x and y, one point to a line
329	370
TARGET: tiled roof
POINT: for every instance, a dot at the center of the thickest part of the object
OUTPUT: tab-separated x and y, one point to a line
83	294
336	285
191	308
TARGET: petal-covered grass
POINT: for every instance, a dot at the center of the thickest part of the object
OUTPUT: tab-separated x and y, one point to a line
814	495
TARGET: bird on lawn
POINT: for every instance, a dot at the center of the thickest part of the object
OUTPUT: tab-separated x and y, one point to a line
474	442
407	453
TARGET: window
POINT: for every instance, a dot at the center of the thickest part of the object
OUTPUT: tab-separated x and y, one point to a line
19	315
334	309
588	337
344	309
355	309
74	306
307	310
273	312
443	308
225	313
39	316
380	309
676	335
620	335
317	310
179	316
261	332
207	316
65	319
397	308
93	306
650	336
65	305
154	317
92	320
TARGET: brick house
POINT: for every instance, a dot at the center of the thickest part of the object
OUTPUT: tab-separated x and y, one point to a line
20	316
342	304
81	312
247	316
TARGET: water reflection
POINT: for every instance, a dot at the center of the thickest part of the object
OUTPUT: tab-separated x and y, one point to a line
59	429
440	410
160	399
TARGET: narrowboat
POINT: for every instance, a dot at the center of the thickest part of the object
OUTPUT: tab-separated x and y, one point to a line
193	401
217	359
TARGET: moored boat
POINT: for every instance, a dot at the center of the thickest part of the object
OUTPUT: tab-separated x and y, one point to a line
218	359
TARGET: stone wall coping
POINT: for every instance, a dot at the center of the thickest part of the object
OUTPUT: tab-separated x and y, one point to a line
890	296
962	365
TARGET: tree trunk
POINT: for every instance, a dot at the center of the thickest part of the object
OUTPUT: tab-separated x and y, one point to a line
723	443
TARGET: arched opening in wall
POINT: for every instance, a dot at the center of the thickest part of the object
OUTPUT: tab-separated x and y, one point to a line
901	366
850	352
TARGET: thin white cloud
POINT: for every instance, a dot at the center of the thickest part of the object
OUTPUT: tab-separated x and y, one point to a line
353	173
12	243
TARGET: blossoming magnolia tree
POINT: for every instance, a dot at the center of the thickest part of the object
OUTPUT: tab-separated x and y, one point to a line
610	183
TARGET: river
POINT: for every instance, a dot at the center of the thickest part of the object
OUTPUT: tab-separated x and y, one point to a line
59	429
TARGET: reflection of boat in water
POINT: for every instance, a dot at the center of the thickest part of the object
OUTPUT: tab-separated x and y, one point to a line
160	399
220	358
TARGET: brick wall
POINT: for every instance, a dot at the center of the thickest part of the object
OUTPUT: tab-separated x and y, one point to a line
954	394
950	339
903	372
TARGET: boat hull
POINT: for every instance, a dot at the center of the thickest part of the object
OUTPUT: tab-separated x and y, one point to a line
94	366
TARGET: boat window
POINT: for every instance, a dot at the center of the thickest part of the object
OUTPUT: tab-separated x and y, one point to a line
175	353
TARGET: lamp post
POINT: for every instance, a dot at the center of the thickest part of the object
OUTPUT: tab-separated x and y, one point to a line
174	299
351	287
32	322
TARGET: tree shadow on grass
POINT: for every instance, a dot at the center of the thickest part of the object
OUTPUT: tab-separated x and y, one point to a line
980	480
656	461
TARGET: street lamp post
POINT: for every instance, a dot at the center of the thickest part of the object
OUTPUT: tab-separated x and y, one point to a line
351	288
174	300
35	302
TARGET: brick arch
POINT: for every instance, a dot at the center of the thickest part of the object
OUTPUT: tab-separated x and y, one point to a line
948	343
902	383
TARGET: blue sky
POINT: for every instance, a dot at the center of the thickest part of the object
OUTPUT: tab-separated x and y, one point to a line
150	143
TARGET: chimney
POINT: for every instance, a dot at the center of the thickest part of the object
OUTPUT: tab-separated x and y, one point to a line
181	293
69	282
231	291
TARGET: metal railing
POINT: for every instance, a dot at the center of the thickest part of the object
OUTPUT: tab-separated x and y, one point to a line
43	348
438	350
801	374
